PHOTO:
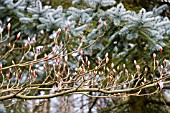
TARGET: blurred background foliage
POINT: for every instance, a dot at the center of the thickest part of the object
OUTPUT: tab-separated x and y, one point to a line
143	55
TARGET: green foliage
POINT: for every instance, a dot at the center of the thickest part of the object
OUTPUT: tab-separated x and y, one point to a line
61	44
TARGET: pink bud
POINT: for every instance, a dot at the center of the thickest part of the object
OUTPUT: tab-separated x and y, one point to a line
82	66
102	73
154	56
100	21
157	62
96	68
44	67
20	72
18	35
114	71
9	45
118	68
34	72
123	66
69	37
107	60
105	25
31	72
95	72
25	46
9	71
135	62
124	86
61	58
68	24
88	63
98	60
110	78
61	44
8	26
45	56
106	55
7	76
137	67
162	67
28	40
81	52
126	71
164	62
90	73
28	79
161	50
144	80
108	70
33	39
57	75
86	59
55	41
146	69
0	66
59	31
66	59
104	68
112	65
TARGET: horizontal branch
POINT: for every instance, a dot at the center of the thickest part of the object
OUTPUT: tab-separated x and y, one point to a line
82	90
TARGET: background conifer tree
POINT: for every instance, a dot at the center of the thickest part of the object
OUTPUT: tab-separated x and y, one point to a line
116	53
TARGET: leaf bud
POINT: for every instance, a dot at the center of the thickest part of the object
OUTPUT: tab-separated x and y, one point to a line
81	52
135	62
18	35
106	55
100	21
25	46
160	50
123	66
98	60
112	65
86	59
105	25
0	66
154	56
107	60
137	67
59	31
9	45
68	24
66	59
8	26
88	63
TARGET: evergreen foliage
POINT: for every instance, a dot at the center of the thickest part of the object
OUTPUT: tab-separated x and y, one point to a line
49	37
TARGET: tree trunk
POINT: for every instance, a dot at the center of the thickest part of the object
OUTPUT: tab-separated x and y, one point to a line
137	105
